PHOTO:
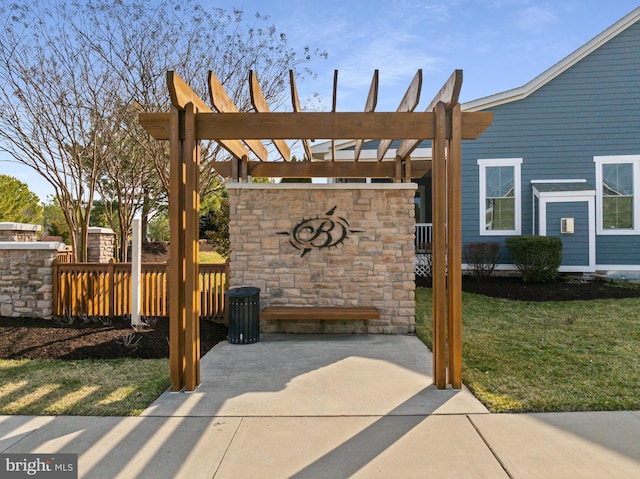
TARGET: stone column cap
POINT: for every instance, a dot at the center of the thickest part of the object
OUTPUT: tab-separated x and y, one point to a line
99	230
8	226
33	245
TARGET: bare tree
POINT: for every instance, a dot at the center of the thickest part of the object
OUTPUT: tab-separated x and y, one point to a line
71	72
54	105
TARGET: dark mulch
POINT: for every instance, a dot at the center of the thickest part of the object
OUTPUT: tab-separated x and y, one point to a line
563	289
22	338
26	338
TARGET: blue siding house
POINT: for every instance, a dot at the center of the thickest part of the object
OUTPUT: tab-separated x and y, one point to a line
562	157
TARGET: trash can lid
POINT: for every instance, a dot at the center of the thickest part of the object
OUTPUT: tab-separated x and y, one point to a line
242	292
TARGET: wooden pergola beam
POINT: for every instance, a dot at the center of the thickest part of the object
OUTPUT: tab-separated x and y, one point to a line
260	104
408	103
181	94
322	169
295	103
448	94
340	125
369	107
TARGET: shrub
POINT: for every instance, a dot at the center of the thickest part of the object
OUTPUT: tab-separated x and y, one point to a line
537	257
481	258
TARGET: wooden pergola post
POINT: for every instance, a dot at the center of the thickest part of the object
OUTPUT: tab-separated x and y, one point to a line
439	248
454	240
190	120
184	206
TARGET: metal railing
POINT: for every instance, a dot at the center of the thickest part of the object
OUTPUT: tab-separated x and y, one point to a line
423	237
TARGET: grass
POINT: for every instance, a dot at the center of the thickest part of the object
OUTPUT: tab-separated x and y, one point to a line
549	356
211	257
122	387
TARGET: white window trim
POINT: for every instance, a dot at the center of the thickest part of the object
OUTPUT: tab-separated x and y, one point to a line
516	163
618	159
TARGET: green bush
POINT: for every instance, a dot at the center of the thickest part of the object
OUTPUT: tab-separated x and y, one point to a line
537	257
481	258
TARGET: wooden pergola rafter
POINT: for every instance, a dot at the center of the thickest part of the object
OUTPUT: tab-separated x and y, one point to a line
241	134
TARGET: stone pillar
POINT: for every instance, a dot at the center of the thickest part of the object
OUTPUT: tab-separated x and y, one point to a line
19	232
100	245
26	278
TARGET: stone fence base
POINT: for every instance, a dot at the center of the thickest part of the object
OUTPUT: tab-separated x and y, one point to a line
26	278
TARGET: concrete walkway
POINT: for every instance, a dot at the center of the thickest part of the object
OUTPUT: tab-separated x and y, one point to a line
307	406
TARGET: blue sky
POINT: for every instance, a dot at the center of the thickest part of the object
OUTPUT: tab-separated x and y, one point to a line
499	45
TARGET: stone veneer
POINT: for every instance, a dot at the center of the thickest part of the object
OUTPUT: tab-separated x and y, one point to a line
19	232
26	278
373	266
100	244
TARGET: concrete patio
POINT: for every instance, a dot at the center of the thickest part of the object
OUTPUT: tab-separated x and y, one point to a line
314	406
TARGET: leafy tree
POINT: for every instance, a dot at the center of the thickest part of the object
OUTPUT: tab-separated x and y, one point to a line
55	223
17	203
159	227
75	75
214	222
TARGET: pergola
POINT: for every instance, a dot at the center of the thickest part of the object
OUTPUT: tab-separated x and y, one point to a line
190	120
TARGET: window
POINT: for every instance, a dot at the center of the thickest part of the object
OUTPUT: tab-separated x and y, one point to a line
500	196
617	181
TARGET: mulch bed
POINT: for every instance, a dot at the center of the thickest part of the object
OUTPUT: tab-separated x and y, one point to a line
23	338
35	338
566	289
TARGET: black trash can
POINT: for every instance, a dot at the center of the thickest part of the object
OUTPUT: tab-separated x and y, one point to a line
244	315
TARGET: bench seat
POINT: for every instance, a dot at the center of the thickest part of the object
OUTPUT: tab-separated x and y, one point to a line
319	313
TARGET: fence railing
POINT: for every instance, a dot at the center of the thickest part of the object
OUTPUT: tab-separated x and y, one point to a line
104	289
423	237
65	256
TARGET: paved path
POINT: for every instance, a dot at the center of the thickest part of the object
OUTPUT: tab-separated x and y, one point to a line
307	406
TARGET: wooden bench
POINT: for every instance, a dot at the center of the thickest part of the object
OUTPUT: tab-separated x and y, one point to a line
356	313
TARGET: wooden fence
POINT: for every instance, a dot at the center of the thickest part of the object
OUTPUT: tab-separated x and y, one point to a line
65	256
104	289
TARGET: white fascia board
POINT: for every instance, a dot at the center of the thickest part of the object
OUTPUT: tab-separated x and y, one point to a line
575	195
563	65
533	182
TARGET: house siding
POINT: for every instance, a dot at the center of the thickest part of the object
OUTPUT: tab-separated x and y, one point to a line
589	110
575	246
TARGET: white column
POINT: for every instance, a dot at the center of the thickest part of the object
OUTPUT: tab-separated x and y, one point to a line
136	253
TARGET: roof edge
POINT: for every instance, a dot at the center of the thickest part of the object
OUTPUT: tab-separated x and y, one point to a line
551	73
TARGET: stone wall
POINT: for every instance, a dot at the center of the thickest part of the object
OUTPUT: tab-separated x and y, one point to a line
271	231
26	278
100	244
19	231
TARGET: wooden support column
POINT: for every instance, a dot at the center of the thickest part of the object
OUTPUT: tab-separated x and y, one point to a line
184	321
175	268
454	249
397	175
439	252
191	163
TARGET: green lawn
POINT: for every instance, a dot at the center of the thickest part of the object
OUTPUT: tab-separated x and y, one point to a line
211	257
517	356
550	356
122	387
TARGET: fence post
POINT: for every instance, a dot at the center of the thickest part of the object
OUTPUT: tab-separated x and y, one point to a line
111	278
55	278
